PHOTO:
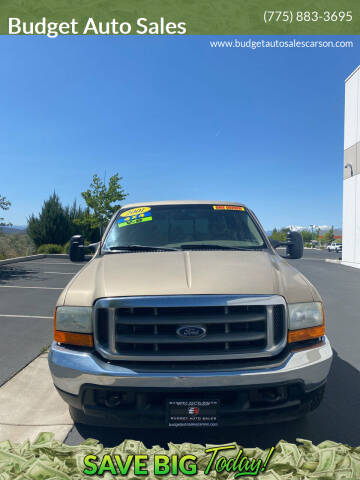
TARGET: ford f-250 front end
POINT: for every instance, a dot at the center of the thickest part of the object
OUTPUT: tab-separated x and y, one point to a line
187	316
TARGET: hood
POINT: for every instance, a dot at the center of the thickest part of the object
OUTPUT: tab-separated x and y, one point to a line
186	273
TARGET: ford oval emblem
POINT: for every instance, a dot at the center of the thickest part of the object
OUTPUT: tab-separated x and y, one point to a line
191	331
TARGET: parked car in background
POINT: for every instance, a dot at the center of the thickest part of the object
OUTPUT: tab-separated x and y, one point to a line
335	247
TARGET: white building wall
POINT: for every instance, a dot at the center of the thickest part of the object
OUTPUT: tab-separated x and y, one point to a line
351	111
348	228
351	187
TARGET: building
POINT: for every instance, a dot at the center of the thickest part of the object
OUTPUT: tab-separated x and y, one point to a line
351	188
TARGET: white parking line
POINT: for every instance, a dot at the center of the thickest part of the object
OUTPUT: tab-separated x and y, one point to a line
25	316
62	273
61	263
313	259
41	288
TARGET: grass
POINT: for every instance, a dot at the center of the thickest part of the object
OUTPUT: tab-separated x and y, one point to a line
45	349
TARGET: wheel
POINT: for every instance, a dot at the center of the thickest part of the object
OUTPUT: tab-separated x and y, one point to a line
313	401
329	250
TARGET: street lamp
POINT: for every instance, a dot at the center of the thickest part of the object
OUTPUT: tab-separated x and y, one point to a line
349	165
312	234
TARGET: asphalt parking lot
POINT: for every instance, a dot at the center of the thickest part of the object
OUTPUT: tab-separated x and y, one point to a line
28	292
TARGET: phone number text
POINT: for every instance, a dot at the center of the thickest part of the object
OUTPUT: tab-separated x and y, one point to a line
290	16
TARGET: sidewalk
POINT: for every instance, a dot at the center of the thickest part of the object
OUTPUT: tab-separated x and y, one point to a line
30	404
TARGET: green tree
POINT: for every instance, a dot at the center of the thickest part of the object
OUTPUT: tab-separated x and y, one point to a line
279	235
274	234
52	225
307	235
101	201
78	224
4	205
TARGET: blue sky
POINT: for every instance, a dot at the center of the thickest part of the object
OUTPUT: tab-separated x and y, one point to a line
178	120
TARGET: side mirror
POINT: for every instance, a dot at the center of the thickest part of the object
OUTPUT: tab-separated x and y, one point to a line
93	246
275	243
76	248
295	245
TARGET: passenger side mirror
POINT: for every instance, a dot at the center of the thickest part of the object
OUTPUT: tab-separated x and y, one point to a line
295	245
275	243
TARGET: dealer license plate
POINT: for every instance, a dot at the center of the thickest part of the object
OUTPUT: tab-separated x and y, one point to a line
192	413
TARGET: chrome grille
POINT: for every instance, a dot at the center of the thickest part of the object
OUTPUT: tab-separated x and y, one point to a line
145	328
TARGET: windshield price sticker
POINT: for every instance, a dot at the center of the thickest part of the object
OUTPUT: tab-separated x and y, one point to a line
135	215
228	207
135	211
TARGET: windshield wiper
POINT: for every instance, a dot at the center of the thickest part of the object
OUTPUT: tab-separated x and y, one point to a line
204	246
135	248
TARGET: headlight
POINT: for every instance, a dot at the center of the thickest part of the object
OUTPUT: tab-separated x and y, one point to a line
74	319
305	315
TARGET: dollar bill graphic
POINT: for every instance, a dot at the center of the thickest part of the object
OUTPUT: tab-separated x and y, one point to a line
48	459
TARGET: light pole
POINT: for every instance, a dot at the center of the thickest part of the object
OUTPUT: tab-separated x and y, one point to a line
312	235
349	165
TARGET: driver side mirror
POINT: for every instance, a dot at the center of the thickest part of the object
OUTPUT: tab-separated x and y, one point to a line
77	248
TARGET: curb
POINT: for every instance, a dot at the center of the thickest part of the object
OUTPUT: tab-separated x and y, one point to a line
350	264
331	260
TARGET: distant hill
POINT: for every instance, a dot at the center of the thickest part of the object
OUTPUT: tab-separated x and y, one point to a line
14	229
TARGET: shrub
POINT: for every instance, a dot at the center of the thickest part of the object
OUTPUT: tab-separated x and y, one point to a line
66	248
50	248
15	245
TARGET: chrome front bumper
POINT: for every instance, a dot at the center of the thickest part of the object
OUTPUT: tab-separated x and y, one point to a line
71	369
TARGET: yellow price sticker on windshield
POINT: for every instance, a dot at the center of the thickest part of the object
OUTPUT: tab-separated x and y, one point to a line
134	216
135	211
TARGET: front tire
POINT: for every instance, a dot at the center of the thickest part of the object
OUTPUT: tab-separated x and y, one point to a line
313	401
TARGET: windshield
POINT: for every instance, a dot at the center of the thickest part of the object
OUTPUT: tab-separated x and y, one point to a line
181	226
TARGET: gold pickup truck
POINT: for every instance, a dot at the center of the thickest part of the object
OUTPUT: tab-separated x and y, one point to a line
186	316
